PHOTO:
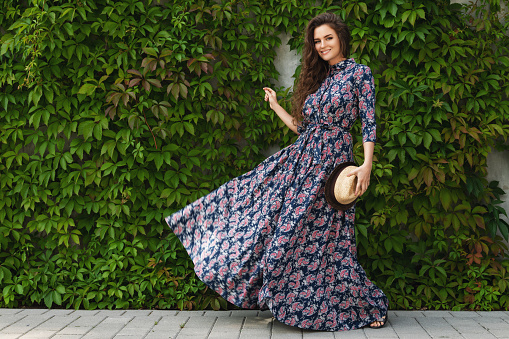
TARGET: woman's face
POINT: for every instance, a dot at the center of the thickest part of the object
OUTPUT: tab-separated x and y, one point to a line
327	44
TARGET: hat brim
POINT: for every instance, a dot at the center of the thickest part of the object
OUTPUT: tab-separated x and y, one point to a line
329	187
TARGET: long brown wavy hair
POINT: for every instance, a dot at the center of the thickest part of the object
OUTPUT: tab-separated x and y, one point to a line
314	68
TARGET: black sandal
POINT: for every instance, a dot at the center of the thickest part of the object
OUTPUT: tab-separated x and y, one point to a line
382	323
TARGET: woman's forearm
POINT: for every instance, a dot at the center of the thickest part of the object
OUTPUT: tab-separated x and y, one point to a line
369	148
283	115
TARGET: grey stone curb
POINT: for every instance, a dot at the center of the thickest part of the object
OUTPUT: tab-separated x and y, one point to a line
242	324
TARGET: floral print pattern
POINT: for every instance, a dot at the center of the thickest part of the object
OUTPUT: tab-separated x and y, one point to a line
269	239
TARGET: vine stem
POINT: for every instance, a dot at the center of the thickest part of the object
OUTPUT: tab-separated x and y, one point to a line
150	129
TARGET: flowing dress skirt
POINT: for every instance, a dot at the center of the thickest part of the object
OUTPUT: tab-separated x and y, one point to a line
269	239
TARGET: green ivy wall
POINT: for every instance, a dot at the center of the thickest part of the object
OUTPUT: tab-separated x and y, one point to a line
114	114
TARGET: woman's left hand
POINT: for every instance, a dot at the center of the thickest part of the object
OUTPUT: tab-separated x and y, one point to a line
363	174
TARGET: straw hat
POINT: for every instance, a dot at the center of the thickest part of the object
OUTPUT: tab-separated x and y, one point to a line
340	189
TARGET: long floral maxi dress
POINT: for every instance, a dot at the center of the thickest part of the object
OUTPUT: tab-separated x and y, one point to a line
268	238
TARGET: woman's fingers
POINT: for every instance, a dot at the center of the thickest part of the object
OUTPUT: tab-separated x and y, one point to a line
362	181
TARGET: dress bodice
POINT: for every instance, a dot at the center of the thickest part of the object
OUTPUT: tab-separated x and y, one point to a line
347	93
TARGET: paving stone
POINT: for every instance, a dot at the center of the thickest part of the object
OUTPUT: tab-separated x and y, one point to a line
194	332
411	314
161	335
223	335
103	331
493	314
385	332
38	334
83	313
137	313
59	312
26	324
245	313
111	313
56	323
257	323
175	320
265	314
306	334
253	333
32	311
74	330
191	336
229	323
226	328
192	313
88	321
464	314
403	326
7	311
117	320
354	334
163	313
200	322
66	336
283	331
139	326
435	314
217	314
8	335
7	320
478	335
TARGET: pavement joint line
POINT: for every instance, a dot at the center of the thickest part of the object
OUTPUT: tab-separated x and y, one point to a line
211	327
241	326
181	326
7	325
151	327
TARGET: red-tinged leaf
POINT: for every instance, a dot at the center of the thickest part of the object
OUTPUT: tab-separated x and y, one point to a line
155	82
146	61
116	98
134	82
479	220
135	72
209	56
190	62
162	63
153	65
440	175
175	91
111	111
204	66
132	95
121	87
428	176
168	89
165	53
125	98
145	85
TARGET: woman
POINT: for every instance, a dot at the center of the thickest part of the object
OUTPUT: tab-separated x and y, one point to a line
269	238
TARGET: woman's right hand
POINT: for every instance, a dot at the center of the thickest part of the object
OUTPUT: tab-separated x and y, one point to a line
271	97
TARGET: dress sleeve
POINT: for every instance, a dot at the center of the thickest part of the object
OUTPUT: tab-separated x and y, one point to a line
366	93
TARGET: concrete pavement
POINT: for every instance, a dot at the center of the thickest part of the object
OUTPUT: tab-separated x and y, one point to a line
243	324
